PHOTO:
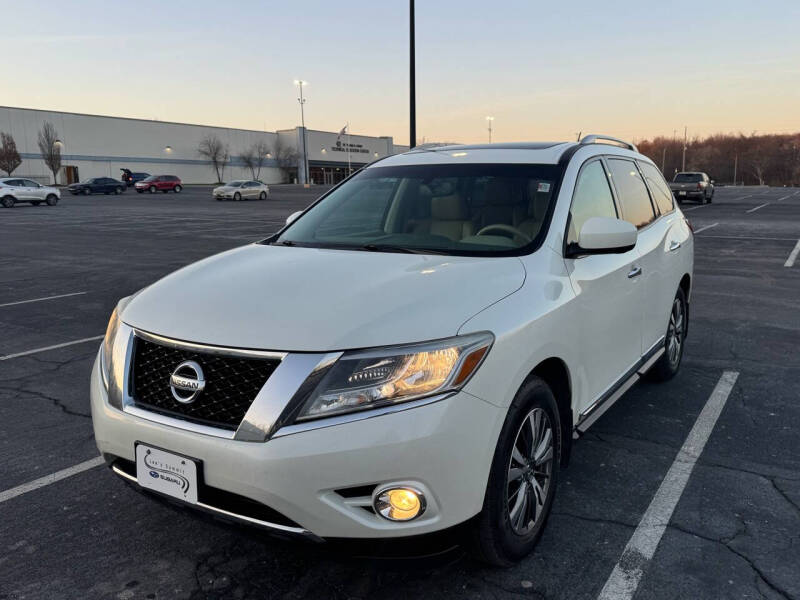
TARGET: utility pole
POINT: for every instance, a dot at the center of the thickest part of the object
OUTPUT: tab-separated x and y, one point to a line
412	101
735	164
302	101
664	159
683	162
490	119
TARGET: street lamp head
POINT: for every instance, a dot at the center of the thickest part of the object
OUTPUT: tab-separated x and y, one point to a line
490	118
168	149
58	144
300	82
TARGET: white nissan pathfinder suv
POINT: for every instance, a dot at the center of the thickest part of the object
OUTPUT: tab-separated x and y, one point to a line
414	351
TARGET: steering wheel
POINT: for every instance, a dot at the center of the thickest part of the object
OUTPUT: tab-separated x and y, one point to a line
508	229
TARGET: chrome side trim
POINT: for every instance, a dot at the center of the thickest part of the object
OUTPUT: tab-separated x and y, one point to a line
280	388
358	416
235	516
208	349
617	389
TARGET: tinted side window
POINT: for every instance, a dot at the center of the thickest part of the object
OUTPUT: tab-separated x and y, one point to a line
631	191
658	187
592	198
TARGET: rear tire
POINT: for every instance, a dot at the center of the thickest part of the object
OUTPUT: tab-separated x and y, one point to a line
262	196
526	461
86	192
674	342
8	201
178	189
52	200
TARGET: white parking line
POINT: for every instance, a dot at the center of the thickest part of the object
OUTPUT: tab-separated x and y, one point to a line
748	237
41	299
694	207
52	478
54	347
627	573
702	229
785	197
757	207
793	256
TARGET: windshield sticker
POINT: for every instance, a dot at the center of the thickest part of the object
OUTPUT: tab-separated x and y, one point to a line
543	187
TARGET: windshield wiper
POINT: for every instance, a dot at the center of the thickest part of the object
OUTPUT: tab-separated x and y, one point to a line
284	243
399	249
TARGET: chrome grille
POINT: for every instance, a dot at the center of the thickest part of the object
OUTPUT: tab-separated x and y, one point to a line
232	383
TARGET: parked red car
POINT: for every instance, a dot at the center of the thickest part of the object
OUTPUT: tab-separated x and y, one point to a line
159	183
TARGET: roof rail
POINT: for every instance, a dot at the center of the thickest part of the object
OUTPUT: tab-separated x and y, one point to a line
606	139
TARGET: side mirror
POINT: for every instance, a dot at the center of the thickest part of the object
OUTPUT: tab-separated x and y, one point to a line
606	235
293	217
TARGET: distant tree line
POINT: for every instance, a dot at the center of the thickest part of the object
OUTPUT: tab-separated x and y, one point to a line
253	157
770	159
49	146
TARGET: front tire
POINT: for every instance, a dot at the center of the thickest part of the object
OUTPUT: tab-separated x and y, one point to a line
526	461
86	192
178	189
667	366
152	189
262	196
237	196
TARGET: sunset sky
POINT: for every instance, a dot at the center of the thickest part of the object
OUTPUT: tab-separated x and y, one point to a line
544	70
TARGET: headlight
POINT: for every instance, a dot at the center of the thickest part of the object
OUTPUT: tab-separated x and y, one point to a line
367	379
108	346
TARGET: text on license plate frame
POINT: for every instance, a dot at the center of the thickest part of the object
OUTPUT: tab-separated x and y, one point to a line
167	472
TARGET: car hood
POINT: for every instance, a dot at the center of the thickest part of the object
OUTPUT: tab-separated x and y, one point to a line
311	299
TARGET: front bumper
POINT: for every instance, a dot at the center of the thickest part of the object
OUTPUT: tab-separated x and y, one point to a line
444	448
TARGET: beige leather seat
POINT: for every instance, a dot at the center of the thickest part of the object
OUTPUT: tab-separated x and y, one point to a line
538	203
504	204
449	218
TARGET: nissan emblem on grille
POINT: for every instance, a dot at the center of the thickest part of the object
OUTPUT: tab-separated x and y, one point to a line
187	382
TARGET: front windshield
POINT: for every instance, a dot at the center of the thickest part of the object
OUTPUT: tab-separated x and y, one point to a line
472	209
234	184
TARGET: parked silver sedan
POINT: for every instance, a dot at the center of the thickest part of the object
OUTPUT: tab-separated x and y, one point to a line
241	190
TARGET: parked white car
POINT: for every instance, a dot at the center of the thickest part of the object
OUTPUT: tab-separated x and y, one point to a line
14	190
241	190
413	352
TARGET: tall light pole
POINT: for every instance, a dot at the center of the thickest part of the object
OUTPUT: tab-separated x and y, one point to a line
300	83
683	162
490	120
412	87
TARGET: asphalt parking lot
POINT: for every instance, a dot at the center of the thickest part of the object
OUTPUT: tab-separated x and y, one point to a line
735	532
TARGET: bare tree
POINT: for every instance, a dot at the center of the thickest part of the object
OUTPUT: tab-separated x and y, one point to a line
262	151
217	153
9	157
248	157
51	152
285	156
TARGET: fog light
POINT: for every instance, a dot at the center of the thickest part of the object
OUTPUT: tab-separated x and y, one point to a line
400	504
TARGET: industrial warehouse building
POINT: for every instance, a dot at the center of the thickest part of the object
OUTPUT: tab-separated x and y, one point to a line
100	146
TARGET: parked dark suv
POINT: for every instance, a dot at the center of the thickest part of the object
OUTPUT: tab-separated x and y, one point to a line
159	183
130	178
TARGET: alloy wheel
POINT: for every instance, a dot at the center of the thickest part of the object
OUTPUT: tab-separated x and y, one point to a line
675	331
530	472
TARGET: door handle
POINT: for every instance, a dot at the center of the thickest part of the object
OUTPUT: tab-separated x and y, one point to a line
635	272
673	245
